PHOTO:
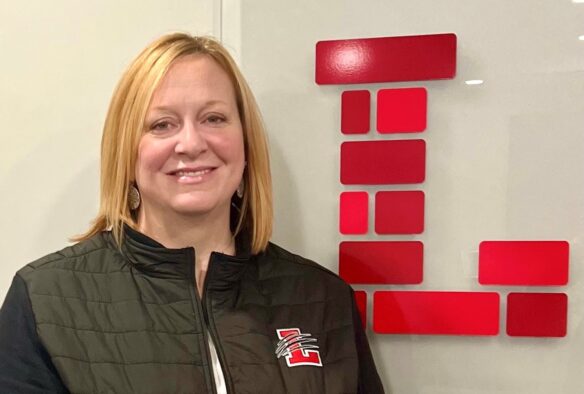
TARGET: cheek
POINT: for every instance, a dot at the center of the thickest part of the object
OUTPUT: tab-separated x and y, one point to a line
229	149
152	155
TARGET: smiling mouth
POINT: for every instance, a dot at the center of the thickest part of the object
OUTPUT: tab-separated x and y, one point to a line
191	174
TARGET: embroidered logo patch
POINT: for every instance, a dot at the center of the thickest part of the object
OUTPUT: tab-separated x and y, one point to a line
298	348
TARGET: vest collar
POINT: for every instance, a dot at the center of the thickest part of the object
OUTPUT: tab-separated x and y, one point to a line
154	259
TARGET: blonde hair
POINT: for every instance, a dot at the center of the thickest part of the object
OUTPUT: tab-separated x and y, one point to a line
124	126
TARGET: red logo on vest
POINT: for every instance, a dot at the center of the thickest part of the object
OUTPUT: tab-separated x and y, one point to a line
297	348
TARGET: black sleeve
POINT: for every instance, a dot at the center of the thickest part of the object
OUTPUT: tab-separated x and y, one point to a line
369	381
25	365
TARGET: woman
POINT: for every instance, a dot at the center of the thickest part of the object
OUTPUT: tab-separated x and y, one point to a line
176	288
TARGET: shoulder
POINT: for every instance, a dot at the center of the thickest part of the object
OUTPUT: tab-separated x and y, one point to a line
277	263
94	255
302	293
289	261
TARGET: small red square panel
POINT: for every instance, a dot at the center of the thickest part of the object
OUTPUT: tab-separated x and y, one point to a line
436	313
383	162
537	314
354	211
361	302
400	212
381	262
524	263
401	110
355	111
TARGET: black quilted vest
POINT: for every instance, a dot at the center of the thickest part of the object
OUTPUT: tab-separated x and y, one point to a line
131	321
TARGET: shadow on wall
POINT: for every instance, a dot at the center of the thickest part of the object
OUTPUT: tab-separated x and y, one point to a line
287	222
75	206
51	193
304	170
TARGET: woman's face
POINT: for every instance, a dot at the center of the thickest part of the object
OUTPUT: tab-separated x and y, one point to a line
191	156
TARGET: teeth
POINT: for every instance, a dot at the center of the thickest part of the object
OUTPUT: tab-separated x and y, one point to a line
192	173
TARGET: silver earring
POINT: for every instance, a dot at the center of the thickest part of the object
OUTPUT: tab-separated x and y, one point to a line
133	197
240	189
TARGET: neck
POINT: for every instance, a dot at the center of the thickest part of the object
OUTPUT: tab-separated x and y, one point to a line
205	233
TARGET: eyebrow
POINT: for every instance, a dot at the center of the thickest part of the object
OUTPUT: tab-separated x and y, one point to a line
170	108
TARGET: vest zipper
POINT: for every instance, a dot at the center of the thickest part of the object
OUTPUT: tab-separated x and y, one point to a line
197	306
206	303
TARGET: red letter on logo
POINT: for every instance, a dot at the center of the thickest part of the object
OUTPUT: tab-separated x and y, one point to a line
295	347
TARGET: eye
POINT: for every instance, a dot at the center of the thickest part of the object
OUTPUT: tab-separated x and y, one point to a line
215	119
163	125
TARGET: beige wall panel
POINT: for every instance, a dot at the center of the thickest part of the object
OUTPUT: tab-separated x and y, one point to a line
60	62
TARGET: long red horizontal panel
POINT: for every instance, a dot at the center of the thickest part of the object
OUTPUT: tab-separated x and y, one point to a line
436	313
399	212
537	314
525	263
383	162
379	262
386	59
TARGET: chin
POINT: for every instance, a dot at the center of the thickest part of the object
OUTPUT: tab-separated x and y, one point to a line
198	207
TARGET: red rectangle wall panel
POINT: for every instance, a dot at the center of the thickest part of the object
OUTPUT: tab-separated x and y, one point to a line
386	59
436	313
355	112
381	262
401	110
525	263
399	212
537	314
383	162
354	213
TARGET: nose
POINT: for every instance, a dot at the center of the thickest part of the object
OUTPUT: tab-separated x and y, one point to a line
191	141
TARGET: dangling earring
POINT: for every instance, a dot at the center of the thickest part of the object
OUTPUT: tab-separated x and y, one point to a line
133	197
240	189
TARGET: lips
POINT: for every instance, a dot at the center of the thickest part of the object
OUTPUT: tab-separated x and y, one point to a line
191	174
191	171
